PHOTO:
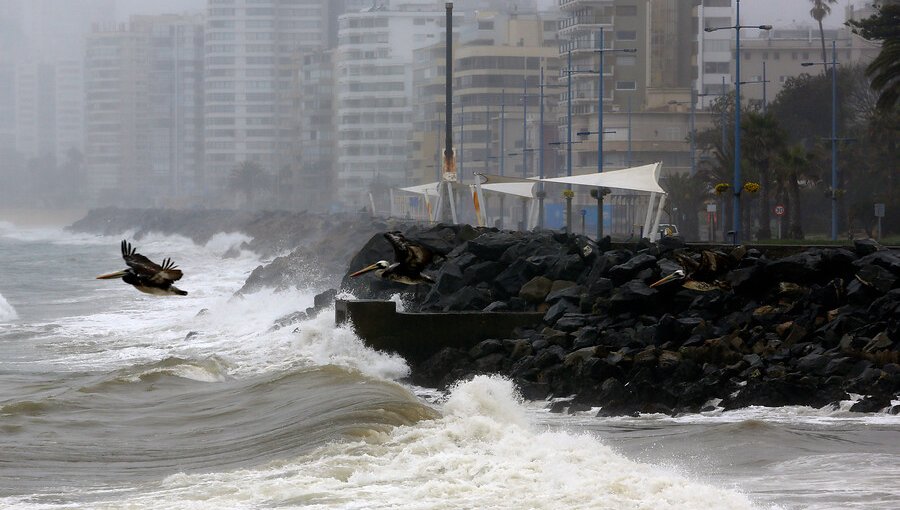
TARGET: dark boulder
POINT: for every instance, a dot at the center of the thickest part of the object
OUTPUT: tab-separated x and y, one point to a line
626	270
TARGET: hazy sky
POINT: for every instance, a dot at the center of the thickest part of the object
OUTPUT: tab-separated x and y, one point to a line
780	13
787	13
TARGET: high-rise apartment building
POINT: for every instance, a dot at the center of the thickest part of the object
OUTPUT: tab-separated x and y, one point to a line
714	55
116	154
175	100
374	94
42	77
144	111
315	157
252	49
666	35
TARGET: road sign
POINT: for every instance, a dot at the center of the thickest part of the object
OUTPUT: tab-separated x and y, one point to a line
879	210
710	208
779	210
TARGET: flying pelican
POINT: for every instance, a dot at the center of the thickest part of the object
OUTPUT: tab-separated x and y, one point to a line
145	275
410	259
699	275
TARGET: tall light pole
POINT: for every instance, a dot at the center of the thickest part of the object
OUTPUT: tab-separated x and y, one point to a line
541	192
601	50
834	138
736	213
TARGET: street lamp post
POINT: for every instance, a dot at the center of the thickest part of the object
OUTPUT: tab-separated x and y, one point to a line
834	138
736	214
541	192
601	191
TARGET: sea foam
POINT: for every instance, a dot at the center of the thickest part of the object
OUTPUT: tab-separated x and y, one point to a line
7	312
482	453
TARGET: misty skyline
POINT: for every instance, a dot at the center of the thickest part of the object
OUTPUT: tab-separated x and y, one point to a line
780	13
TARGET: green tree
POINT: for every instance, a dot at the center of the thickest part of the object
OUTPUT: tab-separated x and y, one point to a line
764	140
821	9
885	69
792	165
687	195
716	167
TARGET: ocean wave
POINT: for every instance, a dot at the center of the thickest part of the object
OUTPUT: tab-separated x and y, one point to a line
143	424
7	312
480	454
24	408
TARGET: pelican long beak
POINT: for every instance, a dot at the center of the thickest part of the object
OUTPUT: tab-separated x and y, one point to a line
667	279
365	270
112	276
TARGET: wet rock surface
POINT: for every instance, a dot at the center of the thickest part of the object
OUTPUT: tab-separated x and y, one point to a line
813	327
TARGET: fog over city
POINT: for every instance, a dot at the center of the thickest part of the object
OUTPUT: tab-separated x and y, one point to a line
339	105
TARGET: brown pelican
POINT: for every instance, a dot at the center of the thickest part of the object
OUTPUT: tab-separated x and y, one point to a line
699	275
145	275
410	259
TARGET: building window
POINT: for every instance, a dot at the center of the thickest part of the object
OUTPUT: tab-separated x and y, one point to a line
626	85
626	10
626	35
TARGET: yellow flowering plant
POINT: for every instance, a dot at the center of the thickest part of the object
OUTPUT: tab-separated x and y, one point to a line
568	193
722	187
751	187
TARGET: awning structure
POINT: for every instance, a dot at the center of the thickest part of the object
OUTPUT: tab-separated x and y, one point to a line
423	189
517	186
640	178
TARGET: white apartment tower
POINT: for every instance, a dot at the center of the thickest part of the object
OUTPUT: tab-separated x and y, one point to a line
373	63
250	66
714	51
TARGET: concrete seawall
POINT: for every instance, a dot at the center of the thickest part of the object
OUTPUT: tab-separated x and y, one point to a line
418	336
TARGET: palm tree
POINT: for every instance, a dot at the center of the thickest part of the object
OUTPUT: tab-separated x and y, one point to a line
246	179
885	69
793	164
764	139
820	9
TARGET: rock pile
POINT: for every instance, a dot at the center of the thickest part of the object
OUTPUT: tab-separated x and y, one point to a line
809	328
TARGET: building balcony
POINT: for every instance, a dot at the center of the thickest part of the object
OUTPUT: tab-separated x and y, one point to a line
568	4
584	23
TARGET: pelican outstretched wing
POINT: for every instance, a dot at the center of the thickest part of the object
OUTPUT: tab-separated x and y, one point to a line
409	253
167	272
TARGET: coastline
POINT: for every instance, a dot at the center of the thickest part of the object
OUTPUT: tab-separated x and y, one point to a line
812	328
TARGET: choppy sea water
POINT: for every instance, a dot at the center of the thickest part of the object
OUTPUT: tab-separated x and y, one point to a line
114	399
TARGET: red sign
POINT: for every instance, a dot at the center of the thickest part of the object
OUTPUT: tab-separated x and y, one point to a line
779	210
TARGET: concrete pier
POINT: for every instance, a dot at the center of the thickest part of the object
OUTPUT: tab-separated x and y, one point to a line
417	336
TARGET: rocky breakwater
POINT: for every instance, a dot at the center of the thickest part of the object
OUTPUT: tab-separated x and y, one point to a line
815	327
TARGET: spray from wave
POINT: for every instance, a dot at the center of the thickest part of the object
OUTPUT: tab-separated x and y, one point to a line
7	312
482	453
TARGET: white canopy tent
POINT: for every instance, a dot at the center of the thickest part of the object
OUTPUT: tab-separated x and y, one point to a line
515	186
429	190
640	178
